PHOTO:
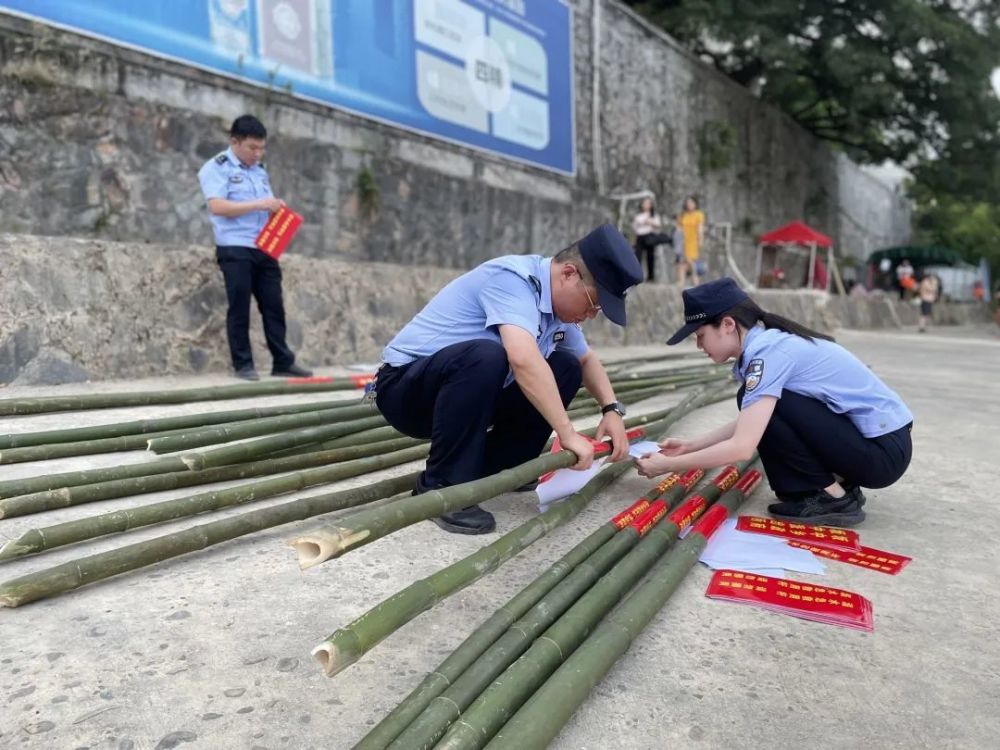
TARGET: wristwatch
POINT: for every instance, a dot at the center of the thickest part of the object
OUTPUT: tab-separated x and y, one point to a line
614	406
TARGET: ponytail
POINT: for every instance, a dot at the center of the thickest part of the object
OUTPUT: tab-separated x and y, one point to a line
747	313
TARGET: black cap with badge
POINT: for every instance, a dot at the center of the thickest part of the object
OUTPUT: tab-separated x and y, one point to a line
704	303
612	263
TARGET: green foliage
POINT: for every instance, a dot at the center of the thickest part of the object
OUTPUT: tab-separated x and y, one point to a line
716	142
368	194
969	226
895	80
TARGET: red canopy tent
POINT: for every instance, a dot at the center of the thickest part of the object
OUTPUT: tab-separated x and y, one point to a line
797	233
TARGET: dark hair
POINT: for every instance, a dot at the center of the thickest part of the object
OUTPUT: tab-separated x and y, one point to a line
652	205
748	313
685	201
247	126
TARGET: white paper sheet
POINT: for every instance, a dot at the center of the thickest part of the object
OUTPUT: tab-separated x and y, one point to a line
640	449
564	483
741	550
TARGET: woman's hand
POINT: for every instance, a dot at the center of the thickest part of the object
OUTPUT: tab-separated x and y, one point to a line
653	464
674	447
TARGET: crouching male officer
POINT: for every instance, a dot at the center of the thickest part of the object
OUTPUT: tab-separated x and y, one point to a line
240	202
501	346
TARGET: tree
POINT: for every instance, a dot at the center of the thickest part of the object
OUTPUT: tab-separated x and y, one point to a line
906	80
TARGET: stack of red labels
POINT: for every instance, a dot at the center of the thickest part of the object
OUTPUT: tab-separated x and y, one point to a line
805	600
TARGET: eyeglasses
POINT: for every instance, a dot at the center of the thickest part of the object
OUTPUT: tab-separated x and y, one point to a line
593	308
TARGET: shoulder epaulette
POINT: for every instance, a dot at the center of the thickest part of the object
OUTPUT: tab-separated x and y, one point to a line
221	159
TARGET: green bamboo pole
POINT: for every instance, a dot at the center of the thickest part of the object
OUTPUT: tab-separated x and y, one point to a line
545	713
159	424
622	550
239	452
82	401
367	526
84	570
666	356
424	716
497	624
79	448
224	433
64	497
70	532
25	485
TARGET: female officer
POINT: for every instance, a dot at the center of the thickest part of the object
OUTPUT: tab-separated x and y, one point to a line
823	423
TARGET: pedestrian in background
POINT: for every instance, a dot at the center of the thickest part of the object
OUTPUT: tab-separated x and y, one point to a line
240	201
692	224
648	234
928	290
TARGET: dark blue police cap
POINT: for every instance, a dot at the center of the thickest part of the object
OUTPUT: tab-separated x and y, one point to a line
704	303
612	263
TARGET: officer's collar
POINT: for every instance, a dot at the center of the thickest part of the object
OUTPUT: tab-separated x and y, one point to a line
545	277
752	333
234	159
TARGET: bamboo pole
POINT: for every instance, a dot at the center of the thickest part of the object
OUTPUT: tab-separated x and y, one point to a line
70	532
64	497
82	401
367	526
624	552
25	485
159	424
224	433
544	714
91	568
348	644
239	452
473	647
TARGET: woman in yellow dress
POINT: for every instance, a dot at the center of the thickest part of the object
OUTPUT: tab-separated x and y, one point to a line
692	224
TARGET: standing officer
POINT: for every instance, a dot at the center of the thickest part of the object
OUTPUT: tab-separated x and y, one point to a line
240	201
824	424
501	346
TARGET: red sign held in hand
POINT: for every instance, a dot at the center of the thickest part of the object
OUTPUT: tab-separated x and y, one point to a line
278	232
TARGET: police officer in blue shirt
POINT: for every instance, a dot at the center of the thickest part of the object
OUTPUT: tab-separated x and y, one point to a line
824	424
501	346
240	201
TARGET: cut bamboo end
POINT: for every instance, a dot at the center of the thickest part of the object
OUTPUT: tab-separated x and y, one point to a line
318	548
194	463
332	659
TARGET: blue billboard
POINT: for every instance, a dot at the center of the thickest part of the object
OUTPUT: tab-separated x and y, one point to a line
496	75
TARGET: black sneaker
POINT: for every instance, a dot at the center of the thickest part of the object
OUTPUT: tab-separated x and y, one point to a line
470	520
247	373
292	371
822	509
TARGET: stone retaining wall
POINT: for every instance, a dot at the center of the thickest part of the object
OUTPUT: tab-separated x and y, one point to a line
76	309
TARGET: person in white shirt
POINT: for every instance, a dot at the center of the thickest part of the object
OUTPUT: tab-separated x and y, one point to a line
647	227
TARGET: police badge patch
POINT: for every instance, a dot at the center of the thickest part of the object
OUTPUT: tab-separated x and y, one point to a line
755	371
559	336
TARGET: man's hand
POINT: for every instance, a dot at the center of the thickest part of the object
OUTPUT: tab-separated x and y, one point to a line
613	426
271	204
581	446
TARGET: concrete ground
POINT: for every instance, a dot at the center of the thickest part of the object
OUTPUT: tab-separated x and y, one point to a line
211	650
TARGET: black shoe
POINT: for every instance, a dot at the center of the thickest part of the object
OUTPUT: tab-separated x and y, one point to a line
292	371
471	520
822	509
247	373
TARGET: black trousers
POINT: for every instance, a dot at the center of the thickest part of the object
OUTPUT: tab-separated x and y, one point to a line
455	395
645	244
250	272
806	443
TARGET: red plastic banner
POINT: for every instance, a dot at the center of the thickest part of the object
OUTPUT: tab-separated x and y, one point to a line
844	539
709	523
360	381
688	511
650	518
278	232
866	557
631	513
313	379
817	603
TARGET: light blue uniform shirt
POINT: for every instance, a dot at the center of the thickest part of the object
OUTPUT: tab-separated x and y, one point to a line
512	290
225	176
773	361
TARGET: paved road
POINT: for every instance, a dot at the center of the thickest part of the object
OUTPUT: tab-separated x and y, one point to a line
212	650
